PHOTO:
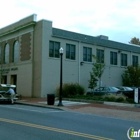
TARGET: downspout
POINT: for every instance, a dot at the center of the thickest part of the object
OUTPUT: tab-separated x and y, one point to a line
79	63
33	39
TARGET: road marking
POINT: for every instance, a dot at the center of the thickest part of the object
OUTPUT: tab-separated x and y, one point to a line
54	129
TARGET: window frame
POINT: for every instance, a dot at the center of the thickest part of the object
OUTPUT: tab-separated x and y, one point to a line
70	51
124	59
113	58
87	54
54	47
16	49
100	56
135	60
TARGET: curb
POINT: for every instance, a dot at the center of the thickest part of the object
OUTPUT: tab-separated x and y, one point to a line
39	105
104	102
90	101
122	104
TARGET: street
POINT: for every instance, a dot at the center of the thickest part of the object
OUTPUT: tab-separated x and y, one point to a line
35	123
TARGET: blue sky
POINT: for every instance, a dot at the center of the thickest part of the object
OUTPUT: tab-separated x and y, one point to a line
117	19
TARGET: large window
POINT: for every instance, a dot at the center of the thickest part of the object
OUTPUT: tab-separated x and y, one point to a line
113	58
0	55
87	54
70	51
15	57
100	56
54	49
134	60
123	59
6	53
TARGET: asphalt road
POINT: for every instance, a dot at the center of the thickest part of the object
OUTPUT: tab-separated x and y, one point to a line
23	122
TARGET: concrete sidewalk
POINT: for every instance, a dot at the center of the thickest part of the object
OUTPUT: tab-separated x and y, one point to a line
117	110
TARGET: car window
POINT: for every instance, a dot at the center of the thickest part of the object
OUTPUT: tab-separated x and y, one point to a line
128	88
120	88
106	89
114	88
99	89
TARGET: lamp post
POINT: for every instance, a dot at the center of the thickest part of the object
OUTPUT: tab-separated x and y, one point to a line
60	92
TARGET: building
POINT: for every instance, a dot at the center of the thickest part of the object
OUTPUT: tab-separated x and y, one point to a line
29	51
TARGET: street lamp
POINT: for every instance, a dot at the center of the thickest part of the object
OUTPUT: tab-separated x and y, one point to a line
60	92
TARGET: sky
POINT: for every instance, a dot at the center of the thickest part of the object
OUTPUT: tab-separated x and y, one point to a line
117	19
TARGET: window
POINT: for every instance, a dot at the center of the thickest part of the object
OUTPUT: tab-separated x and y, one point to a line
123	59
54	49
100	56
15	57
113	58
134	60
87	54
6	53
70	51
0	55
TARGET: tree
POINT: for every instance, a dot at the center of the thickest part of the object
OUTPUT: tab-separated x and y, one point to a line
96	74
135	41
92	81
131	76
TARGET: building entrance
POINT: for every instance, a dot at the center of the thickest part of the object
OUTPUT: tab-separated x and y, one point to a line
14	79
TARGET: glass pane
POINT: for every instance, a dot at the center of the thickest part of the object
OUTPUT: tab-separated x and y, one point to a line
0	56
7	53
72	49
89	54
16	52
115	58
57	47
84	54
102	56
98	56
111	57
67	51
51	49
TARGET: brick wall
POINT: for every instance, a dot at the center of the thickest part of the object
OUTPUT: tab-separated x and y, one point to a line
25	47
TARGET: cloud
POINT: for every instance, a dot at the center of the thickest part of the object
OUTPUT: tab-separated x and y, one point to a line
108	17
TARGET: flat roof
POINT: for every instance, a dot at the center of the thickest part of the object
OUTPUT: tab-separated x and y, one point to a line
95	40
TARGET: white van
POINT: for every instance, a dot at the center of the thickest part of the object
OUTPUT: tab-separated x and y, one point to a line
7	96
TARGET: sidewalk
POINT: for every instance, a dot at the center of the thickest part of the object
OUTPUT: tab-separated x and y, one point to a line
109	109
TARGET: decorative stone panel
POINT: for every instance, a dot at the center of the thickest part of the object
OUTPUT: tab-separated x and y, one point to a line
25	47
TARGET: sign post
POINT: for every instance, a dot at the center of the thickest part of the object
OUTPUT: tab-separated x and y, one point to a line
136	95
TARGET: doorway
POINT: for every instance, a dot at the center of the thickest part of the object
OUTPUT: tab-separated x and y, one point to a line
4	79
14	79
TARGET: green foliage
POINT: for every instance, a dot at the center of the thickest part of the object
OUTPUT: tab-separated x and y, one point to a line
120	99
130	100
96	73
98	69
92	81
109	98
131	76
135	41
71	89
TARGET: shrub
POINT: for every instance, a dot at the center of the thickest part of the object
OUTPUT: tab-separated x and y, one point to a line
120	99
71	89
130	100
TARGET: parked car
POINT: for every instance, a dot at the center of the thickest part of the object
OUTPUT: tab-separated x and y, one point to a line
7	96
127	91
104	90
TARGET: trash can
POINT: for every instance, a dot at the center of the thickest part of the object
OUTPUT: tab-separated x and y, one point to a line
50	99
